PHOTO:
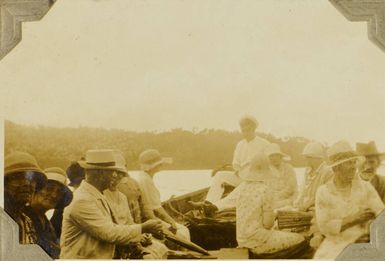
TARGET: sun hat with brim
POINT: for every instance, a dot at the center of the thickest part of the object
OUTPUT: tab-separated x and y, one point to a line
369	149
314	150
274	148
151	158
259	169
103	159
22	162
59	176
341	152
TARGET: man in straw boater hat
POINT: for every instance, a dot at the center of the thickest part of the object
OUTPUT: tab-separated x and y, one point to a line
317	173
148	247
22	178
345	204
151	163
54	195
90	229
369	168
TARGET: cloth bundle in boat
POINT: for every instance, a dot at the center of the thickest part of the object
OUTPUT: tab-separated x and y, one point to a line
213	233
295	221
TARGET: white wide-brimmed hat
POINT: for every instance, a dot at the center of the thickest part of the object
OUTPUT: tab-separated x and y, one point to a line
274	148
103	159
151	158
259	169
314	150
341	152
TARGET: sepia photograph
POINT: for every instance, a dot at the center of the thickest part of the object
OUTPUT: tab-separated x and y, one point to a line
178	129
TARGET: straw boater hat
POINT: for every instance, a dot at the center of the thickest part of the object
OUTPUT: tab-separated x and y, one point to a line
369	149
18	162
102	159
151	158
274	148
314	150
249	118
341	152
58	176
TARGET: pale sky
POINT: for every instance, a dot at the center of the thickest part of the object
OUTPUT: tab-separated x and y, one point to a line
298	65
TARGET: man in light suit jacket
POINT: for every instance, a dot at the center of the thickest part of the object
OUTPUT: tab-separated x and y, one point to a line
90	231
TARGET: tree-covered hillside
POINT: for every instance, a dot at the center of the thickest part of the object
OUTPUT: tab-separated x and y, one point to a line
204	149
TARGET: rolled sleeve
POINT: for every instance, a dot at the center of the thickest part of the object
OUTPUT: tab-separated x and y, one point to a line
88	216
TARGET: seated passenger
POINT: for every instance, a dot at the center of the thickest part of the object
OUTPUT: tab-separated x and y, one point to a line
255	215
55	194
284	183
370	166
22	178
148	248
345	204
88	220
317	173
151	163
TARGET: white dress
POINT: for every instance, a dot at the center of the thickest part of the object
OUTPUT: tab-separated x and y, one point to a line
253	200
333	205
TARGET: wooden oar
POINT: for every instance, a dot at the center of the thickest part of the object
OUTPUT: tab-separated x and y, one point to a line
185	243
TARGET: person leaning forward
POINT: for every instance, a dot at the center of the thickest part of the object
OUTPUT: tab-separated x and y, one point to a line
90	231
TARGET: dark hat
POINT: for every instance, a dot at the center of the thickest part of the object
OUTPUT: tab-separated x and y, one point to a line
59	176
368	149
19	162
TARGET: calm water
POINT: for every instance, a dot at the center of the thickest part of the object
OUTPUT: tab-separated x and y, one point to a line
179	182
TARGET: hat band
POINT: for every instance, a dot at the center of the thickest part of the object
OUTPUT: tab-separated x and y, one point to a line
102	164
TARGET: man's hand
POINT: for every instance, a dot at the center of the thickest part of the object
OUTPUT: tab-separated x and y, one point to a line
365	216
152	226
173	228
358	218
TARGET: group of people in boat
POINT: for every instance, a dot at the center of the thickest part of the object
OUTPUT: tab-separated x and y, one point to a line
105	213
342	191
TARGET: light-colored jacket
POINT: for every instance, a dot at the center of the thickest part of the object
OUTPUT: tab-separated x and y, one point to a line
89	228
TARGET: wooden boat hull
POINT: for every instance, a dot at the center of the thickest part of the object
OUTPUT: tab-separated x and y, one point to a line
220	233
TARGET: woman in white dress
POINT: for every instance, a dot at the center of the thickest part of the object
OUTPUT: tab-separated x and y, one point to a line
255	216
